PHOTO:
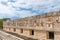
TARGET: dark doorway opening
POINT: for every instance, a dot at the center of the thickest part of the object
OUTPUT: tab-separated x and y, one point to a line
14	29
9	28
31	32
21	30
51	35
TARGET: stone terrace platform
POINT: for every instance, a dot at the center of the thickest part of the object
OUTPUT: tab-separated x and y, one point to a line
23	37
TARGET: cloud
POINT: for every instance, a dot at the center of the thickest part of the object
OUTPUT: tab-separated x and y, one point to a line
11	0
23	8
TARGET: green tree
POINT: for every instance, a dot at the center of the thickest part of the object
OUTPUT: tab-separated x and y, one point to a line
1	22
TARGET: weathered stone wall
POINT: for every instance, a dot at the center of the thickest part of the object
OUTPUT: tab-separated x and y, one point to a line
57	36
40	34
36	21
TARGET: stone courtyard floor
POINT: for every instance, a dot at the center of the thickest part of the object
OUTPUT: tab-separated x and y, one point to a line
6	36
20	36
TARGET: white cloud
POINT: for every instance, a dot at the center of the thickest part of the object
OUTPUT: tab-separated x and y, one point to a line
21	8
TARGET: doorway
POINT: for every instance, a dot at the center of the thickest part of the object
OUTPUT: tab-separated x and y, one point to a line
51	35
31	32
14	29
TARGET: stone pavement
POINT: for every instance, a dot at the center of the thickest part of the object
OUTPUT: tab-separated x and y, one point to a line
20	36
6	36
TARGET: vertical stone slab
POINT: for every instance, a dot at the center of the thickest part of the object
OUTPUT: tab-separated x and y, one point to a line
26	32
57	36
40	34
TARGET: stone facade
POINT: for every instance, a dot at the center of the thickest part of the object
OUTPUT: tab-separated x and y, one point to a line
42	27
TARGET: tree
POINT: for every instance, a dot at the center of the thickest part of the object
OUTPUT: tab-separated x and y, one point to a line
1	22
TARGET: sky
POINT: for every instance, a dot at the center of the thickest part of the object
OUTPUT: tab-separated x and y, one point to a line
23	8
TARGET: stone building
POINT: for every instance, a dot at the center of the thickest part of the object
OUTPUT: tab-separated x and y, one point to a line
42	27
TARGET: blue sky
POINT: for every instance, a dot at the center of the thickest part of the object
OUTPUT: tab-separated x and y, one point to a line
24	8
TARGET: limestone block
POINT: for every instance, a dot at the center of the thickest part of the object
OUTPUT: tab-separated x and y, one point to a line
57	36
